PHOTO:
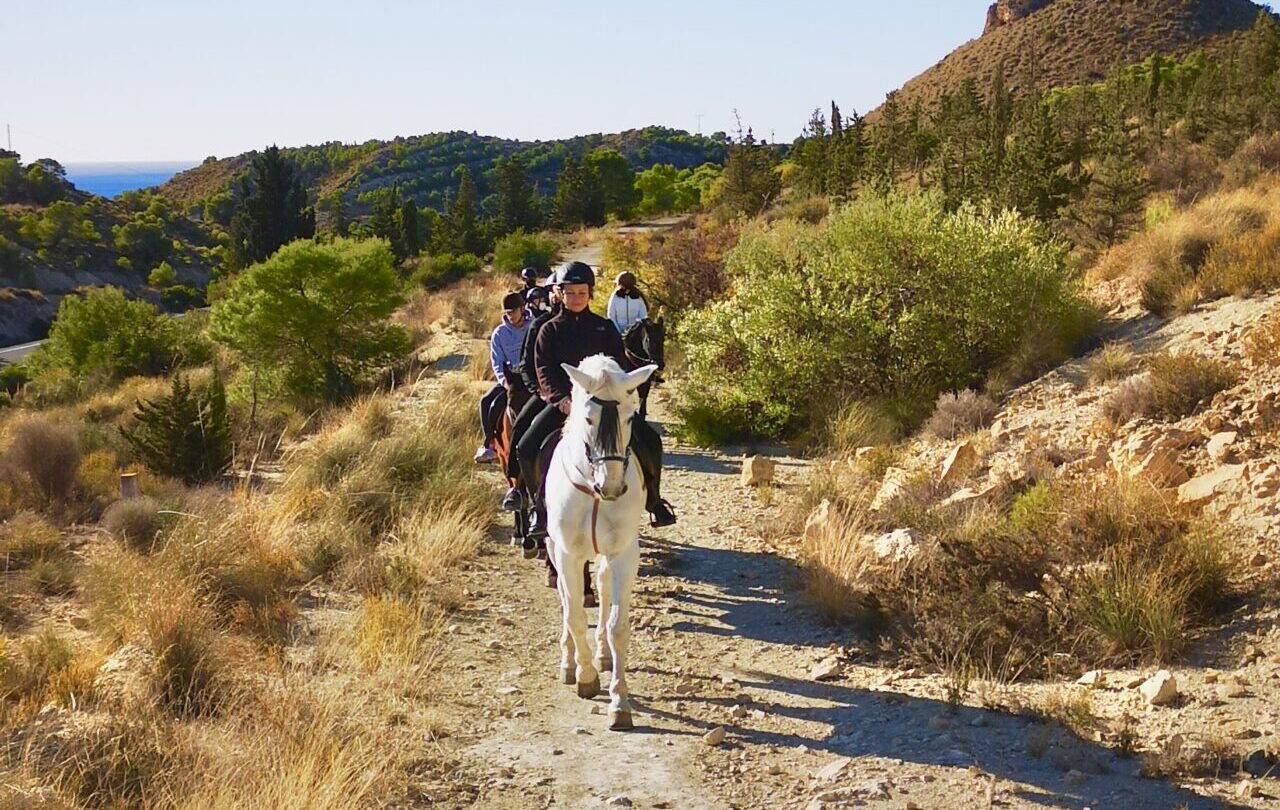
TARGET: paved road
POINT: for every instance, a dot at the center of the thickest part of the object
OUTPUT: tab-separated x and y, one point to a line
14	354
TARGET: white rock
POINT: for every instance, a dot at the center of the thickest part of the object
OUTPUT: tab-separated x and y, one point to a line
714	737
1219	445
816	523
891	486
827	669
899	545
1202	489
832	770
1160	689
757	471
1094	678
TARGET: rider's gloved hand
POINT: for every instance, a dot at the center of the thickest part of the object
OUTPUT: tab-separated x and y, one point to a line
564	406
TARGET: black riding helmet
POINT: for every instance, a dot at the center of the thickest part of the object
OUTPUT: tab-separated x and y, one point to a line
536	294
576	273
529	274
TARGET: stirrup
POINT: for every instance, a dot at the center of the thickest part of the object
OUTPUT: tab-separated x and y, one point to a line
658	519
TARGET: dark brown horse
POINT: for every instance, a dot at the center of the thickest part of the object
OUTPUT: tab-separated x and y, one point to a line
645	342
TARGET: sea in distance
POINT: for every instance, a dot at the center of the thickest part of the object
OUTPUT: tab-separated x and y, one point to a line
110	179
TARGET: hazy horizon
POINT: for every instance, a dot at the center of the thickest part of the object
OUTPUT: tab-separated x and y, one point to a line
156	82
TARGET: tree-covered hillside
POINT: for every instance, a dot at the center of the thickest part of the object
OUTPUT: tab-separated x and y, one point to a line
56	239
423	167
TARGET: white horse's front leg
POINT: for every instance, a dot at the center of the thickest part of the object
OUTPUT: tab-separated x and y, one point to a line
622	571
571	583
567	647
604	587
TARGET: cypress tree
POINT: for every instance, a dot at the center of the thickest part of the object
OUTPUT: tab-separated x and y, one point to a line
270	210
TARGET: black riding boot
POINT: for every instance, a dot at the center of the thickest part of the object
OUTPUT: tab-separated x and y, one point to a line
647	445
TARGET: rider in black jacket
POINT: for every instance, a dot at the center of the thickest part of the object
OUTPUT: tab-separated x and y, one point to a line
572	335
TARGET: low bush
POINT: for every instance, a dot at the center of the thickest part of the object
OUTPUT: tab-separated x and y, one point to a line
518	250
1243	264
434	272
1135	396
890	298
960	414
134	521
1262	343
47	454
1099	570
1186	383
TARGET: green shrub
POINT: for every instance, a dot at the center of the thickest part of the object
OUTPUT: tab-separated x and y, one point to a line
518	250
890	298
184	435
104	334
433	272
315	316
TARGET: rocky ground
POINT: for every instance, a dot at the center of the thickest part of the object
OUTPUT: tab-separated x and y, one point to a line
748	699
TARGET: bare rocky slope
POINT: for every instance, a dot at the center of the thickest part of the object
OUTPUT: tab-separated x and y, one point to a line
1051	43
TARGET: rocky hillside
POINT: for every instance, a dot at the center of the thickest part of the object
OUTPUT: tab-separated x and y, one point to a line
1050	43
422	166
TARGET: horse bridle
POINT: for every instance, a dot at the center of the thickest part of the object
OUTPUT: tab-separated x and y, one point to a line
595	460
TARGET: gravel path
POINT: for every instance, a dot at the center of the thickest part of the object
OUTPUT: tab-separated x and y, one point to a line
722	641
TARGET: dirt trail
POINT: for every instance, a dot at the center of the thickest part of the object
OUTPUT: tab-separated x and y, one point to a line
721	639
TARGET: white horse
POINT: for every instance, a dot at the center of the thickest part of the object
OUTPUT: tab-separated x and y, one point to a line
595	499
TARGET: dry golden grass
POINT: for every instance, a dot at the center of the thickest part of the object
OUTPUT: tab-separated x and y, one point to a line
1111	362
472	306
1225	244
1262	343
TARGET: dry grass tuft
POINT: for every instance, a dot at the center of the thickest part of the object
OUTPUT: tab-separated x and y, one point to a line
959	414
47	454
1225	244
1186	383
860	424
1111	362
134	521
1262	343
397	634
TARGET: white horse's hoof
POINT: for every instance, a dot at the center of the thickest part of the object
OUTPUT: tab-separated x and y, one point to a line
568	676
620	720
605	664
589	689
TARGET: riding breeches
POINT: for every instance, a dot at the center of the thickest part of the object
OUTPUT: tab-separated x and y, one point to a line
489	405
524	419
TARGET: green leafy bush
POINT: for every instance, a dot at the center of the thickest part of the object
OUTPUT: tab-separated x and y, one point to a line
891	299
315	316
518	250
433	272
103	334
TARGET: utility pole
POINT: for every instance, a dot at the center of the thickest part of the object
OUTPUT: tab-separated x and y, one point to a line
699	117
8	131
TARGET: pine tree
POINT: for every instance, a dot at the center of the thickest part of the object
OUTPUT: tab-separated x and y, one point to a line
183	435
1112	200
750	182
517	200
271	209
408	222
460	230
580	197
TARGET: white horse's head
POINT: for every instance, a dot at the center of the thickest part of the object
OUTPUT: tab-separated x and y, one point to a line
605	401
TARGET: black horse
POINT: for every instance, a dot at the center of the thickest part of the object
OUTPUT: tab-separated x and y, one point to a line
644	342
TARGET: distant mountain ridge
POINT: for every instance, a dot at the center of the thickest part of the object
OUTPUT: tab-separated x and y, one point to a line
1050	43
422	166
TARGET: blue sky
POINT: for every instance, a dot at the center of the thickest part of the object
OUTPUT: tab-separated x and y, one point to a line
136	81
